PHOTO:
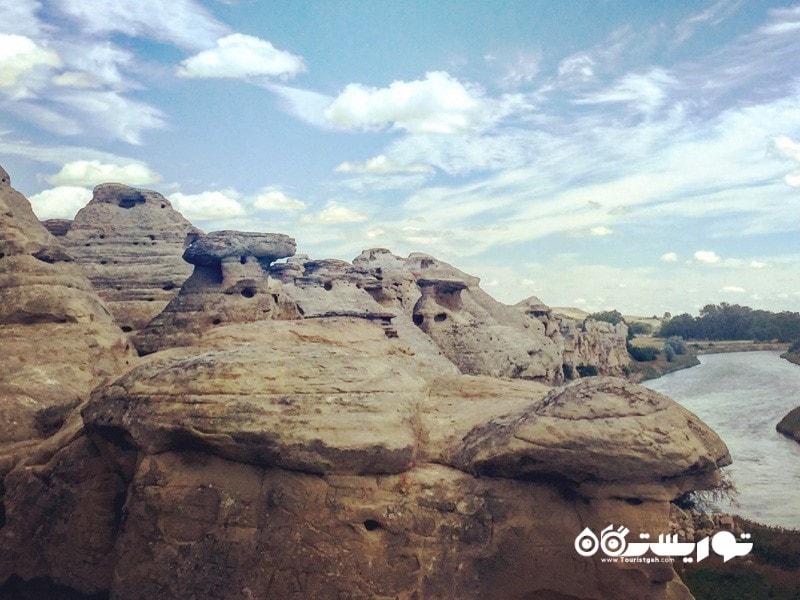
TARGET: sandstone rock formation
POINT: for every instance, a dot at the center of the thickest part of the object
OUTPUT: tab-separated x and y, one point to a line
129	242
321	458
790	424
583	343
229	284
475	332
58	338
316	429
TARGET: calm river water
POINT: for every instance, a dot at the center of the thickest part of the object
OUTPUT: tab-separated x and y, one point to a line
742	396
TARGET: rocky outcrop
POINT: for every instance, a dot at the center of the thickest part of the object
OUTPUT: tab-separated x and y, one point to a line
321	458
585	345
475	332
229	284
58	227
316	429
58	337
790	425
129	242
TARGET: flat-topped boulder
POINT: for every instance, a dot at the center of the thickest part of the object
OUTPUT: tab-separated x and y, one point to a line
790	424
129	242
598	429
222	246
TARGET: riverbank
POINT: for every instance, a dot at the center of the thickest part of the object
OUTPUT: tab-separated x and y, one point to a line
645	371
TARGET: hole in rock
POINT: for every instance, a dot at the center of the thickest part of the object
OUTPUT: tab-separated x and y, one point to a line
126	328
371	525
418	319
248	292
634	501
163	206
130	200
243	259
275	298
216	321
440	317
103	262
2	254
328	286
168	287
102	236
151	236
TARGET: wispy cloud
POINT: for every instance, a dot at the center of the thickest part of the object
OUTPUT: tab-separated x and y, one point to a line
186	23
381	164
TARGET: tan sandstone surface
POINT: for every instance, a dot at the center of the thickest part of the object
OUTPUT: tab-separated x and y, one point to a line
58	338
295	431
129	242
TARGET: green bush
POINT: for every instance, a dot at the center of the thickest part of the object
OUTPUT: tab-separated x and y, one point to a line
678	344
587	370
639	328
643	353
669	352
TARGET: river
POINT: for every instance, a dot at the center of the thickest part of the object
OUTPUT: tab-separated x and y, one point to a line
742	396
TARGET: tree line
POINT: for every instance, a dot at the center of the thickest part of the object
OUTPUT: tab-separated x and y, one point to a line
734	322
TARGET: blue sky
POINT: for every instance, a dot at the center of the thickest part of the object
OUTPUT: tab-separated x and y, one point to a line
597	154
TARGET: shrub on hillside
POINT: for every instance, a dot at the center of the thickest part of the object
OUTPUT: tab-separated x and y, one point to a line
643	353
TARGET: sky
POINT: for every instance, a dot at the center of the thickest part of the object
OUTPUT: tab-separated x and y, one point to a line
606	154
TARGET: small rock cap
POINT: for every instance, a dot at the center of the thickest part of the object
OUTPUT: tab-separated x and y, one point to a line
216	246
5	180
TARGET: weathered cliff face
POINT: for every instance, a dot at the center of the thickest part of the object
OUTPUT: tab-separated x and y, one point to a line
58	338
129	242
582	343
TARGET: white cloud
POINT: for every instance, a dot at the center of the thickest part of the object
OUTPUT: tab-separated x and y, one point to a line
757	264
334	214
19	55
734	289
786	147
95	64
20	17
793	179
75	79
276	200
600	230
242	56
207	205
707	257
93	172
183	22
437	104
382	164
646	92
577	66
669	257
61	202
122	118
